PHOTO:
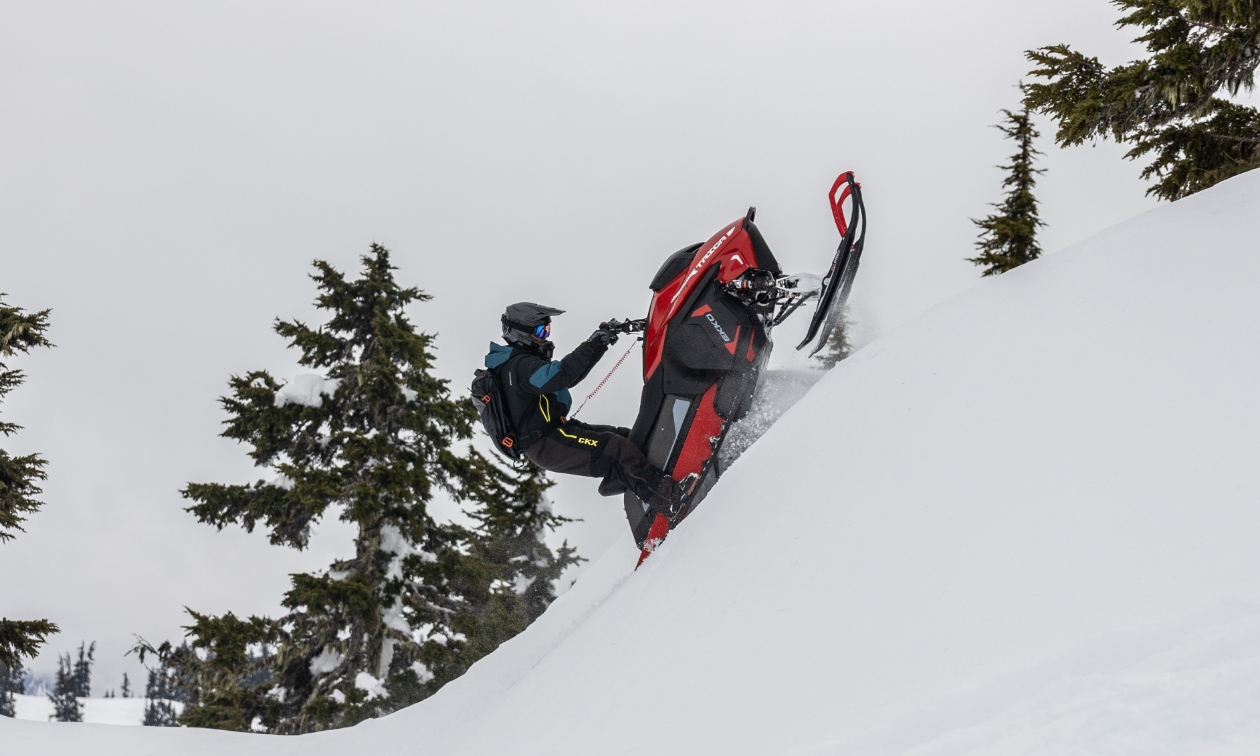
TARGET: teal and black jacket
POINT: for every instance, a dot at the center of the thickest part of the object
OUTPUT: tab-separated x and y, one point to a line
536	390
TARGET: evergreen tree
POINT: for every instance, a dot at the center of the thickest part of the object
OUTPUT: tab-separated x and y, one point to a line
514	515
65	702
160	694
82	676
1008	238
838	346
12	683
1167	104
126	686
19	332
420	601
224	676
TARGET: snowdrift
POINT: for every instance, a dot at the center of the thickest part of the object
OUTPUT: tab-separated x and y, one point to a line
1027	522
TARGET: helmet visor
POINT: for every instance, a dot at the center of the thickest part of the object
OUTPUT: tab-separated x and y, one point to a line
543	331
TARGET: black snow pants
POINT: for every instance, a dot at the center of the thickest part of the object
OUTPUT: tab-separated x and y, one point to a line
596	451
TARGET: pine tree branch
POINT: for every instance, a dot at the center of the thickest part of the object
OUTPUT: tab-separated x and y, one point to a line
1243	140
19	638
21	331
1205	25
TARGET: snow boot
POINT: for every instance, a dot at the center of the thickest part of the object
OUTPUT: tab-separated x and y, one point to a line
664	494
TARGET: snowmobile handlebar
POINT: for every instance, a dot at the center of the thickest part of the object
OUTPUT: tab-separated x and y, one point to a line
624	326
753	283
761	287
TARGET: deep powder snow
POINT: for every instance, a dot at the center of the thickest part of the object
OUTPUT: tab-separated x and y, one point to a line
1024	523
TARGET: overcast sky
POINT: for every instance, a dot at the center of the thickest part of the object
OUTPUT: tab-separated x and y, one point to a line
169	170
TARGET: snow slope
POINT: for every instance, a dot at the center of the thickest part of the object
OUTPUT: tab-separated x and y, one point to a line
1026	522
111	711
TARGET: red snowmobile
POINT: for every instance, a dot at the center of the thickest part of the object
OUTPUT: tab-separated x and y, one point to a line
708	335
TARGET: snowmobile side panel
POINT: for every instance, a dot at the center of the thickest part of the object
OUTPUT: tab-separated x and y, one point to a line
704	337
697	448
653	538
669	425
705	340
734	395
650	400
639	517
730	251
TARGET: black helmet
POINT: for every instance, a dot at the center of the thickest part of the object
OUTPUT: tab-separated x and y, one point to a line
522	322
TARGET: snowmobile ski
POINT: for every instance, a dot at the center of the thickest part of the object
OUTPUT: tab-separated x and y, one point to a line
839	279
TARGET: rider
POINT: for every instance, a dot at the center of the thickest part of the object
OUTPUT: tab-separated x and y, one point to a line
536	392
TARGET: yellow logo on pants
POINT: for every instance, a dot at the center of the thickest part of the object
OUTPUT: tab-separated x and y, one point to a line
580	440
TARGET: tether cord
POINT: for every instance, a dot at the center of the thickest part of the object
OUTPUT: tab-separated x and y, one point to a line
601	383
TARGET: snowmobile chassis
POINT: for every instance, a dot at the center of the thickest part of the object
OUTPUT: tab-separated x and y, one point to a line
707	337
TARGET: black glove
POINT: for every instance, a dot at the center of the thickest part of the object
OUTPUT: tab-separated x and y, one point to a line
623	432
605	337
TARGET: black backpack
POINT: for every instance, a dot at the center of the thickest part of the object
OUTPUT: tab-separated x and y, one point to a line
487	395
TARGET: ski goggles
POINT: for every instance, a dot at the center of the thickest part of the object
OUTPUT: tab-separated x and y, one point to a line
542	331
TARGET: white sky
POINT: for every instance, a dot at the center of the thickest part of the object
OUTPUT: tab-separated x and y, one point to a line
168	172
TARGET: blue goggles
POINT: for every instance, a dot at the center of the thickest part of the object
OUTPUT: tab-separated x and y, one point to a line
543	331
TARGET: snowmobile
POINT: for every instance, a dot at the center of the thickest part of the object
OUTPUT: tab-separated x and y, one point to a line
708	335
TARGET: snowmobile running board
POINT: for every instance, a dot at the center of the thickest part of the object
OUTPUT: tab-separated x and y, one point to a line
707	336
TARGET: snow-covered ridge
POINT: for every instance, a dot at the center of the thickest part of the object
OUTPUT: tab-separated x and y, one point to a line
1024	523
110	711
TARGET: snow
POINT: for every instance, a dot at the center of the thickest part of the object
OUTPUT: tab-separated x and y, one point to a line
394	618
777	391
387	657
1024	523
326	661
375	687
1202	693
111	711
307	390
393	542
422	672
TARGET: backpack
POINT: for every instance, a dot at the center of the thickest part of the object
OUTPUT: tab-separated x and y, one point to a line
487	396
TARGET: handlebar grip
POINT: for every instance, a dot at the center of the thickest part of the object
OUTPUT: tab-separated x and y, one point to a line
624	326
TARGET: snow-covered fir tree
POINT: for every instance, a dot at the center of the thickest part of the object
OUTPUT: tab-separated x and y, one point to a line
20	331
125	690
12	683
1178	103
1008	238
371	436
64	698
